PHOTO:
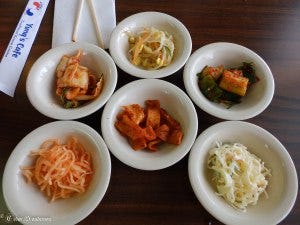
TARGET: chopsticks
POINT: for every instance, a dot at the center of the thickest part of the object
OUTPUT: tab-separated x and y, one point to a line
96	23
94	19
78	16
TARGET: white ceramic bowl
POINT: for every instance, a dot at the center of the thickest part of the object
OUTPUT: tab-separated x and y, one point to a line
283	184
25	201
41	80
173	100
230	55
119	46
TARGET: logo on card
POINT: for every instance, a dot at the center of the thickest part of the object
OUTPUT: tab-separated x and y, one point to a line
35	6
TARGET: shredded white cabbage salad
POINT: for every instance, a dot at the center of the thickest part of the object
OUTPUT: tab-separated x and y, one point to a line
240	176
151	48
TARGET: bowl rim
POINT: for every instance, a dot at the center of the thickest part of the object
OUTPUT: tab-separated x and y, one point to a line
93	105
206	105
142	73
124	158
195	184
100	188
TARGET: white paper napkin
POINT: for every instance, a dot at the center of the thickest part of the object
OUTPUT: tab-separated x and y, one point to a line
64	20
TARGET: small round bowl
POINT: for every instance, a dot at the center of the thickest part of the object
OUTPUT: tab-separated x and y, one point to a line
119	45
283	183
27	201
41	80
173	100
257	98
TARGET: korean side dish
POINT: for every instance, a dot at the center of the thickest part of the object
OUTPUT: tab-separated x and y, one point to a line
151	48
226	86
240	176
76	83
146	128
60	170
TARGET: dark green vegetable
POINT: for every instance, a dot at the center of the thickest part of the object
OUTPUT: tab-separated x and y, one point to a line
210	88
249	72
229	99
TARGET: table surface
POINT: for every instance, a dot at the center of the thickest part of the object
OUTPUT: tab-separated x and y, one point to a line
270	28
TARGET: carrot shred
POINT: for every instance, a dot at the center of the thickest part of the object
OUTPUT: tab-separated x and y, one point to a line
60	170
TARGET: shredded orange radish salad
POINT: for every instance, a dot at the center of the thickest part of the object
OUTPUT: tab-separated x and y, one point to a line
60	170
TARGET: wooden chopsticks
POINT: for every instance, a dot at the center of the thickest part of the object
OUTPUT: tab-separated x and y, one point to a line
94	19
77	20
